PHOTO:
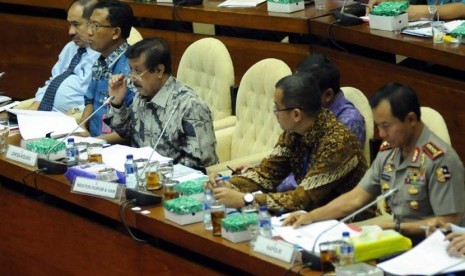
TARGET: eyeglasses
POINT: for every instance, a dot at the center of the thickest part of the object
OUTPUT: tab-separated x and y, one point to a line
94	26
276	110
138	77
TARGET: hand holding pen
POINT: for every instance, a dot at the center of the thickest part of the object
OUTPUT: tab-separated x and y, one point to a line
216	180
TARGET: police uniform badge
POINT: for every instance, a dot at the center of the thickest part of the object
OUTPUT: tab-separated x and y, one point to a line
412	190
414	205
388	167
413	176
384	146
432	150
443	174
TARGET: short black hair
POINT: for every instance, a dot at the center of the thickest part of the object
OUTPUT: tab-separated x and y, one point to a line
156	52
119	15
87	6
402	99
300	90
311	61
323	70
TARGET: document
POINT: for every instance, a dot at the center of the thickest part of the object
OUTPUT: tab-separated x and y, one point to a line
305	236
37	124
241	3
115	156
423	28
427	258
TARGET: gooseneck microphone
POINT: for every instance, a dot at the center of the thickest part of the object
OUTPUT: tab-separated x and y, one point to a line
140	196
57	167
346	19
314	258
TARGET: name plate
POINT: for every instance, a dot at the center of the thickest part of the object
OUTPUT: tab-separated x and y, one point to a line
96	188
277	249
21	155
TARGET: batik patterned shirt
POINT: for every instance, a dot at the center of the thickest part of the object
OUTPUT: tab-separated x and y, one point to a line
327	162
189	137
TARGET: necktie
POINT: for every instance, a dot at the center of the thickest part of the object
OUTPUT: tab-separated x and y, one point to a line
49	97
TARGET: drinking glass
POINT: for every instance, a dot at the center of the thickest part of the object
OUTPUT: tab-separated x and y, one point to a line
4	132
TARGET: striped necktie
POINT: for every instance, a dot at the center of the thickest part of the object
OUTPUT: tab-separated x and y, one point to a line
49	97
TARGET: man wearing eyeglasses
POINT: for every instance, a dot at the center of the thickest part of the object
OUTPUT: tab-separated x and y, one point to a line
324	156
108	29
64	91
162	102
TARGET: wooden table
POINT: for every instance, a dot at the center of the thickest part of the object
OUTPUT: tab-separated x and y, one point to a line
82	234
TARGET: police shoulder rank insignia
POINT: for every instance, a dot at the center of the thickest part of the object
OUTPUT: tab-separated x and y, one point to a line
432	150
443	174
385	146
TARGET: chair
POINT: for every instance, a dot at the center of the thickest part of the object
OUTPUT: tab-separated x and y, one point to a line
435	123
207	68
360	101
134	36
256	131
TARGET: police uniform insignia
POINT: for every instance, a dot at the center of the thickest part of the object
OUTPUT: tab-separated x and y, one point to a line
414	205
432	150
412	190
385	186
413	176
388	167
443	174
415	155
384	146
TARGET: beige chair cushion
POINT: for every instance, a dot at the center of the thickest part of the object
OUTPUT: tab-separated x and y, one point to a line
207	68
134	36
435	123
360	101
256	130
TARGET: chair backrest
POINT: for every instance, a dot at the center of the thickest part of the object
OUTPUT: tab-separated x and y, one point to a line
435	123
257	129
134	36
207	68
360	101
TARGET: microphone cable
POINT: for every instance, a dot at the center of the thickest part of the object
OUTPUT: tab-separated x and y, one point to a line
330	36
122	217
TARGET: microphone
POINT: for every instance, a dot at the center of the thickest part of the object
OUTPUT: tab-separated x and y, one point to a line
56	167
312	257
143	197
346	19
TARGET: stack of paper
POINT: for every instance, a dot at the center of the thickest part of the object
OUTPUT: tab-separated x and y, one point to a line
115	156
241	3
423	28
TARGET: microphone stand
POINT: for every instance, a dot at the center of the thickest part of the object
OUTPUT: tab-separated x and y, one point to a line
55	167
314	258
346	19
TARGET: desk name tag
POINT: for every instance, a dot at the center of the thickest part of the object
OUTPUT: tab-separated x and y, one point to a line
277	249
21	155
96	188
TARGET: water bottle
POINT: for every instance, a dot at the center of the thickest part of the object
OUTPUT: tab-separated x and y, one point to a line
346	250
264	222
131	172
208	200
71	153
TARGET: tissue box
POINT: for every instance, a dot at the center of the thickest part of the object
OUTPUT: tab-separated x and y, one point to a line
183	210
374	243
286	6
236	228
388	23
95	171
43	145
192	188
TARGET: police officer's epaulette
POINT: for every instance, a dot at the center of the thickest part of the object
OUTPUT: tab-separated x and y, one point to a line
385	146
432	150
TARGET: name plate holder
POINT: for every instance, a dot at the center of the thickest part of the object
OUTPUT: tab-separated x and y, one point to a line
21	155
97	188
277	249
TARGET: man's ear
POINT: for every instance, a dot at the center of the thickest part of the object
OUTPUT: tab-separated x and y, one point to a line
116	33
411	118
327	96
296	114
160	69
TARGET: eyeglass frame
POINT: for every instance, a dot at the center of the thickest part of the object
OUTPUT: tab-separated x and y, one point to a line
95	26
276	110
138	77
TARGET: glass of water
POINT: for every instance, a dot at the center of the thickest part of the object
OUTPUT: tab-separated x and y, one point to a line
165	171
4	132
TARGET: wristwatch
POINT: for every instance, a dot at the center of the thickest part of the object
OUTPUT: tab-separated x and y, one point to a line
248	199
397	226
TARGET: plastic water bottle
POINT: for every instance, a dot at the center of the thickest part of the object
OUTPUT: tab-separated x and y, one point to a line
346	256
131	172
264	222
207	218
71	153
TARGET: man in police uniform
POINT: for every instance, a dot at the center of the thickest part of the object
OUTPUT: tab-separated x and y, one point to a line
426	171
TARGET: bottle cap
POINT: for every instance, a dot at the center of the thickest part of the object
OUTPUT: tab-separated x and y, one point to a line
70	140
345	234
263	208
129	156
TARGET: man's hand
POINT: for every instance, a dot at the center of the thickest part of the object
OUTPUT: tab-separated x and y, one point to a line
243	168
213	182
117	87
230	198
297	218
437	224
456	246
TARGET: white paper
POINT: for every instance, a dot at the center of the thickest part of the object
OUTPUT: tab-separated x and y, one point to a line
240	3
182	173
115	156
306	235
427	258
37	124
427	31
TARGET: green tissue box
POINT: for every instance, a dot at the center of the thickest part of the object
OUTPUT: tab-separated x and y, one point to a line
286	6
42	147
183	210
192	188
236	228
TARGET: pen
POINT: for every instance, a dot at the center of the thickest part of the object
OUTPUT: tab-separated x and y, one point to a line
233	170
224	178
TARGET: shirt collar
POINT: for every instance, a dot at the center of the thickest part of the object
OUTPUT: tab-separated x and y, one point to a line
315	132
114	57
163	95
